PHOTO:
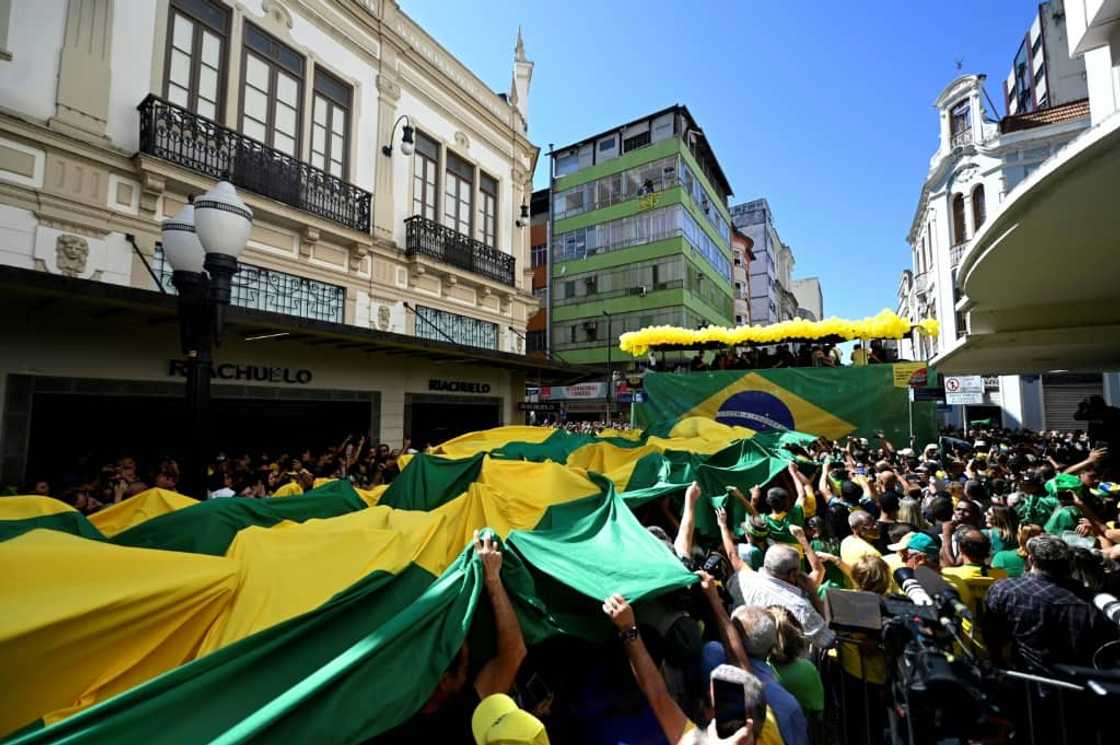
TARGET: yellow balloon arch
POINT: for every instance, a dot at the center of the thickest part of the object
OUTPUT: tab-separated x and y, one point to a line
884	325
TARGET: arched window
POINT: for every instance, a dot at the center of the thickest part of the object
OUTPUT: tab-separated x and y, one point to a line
958	220
979	213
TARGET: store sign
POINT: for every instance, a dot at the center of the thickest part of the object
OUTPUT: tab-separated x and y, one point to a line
573	392
542	406
964	389
457	386
247	373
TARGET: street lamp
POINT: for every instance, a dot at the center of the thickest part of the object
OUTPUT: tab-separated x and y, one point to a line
610	372
407	144
202	244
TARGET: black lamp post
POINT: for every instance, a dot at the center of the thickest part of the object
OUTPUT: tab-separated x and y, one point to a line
202	244
610	371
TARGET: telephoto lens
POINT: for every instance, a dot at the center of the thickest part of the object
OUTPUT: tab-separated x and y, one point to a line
904	578
1109	605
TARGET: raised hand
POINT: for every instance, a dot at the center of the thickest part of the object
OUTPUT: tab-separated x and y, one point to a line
619	611
487	550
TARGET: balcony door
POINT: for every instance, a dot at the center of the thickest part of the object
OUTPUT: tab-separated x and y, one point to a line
197	37
458	194
271	92
425	185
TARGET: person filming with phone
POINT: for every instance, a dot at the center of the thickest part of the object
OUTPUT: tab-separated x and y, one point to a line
736	696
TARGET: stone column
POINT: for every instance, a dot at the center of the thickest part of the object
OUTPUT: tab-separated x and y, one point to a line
82	98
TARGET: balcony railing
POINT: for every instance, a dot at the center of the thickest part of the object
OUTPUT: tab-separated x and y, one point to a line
427	238
956	253
962	138
279	292
921	283
174	134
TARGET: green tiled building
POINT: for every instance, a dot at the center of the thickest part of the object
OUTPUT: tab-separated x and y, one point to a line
641	230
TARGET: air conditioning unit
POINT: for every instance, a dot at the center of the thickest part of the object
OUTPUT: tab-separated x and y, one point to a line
640	290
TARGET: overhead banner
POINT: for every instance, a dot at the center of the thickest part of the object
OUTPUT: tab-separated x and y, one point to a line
832	402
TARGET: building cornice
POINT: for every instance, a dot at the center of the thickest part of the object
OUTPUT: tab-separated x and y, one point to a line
394	27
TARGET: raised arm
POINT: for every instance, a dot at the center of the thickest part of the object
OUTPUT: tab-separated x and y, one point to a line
815	563
748	504
729	546
1095	457
824	488
732	642
683	543
499	672
1096	525
798	484
669	715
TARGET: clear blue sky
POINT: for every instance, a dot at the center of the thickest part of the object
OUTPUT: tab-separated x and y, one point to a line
824	108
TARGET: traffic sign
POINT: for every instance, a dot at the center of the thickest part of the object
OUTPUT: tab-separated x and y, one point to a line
964	389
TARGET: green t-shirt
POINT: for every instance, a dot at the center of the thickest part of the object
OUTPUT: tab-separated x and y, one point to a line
1035	509
1010	562
779	526
802	679
1063	519
997	541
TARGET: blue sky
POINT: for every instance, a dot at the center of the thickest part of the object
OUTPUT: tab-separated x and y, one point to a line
824	108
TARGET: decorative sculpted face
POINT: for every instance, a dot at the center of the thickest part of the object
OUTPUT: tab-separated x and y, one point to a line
71	254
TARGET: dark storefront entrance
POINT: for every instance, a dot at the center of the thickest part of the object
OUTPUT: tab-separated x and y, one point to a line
431	419
75	426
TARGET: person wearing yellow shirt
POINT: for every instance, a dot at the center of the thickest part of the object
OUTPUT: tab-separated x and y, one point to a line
865	531
972	577
757	725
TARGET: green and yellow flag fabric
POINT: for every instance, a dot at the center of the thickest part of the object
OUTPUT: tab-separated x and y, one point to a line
831	402
330	616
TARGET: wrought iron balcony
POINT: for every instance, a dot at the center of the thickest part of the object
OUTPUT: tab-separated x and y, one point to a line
174	134
427	238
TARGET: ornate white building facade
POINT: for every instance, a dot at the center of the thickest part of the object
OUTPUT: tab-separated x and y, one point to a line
977	163
389	255
114	111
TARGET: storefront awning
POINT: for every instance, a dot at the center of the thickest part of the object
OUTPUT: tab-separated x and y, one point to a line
38	291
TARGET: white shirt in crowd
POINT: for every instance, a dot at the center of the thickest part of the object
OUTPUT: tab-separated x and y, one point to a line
225	491
760	589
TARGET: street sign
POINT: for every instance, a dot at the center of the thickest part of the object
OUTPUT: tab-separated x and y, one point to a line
964	389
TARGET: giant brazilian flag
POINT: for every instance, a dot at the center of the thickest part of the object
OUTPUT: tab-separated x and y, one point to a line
831	402
329	617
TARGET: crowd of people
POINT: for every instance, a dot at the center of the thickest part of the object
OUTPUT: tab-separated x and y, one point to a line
249	474
786	355
1020	528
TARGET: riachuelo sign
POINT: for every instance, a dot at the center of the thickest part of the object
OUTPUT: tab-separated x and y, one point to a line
831	402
